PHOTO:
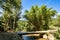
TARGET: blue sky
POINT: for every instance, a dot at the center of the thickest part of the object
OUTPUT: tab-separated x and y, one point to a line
55	4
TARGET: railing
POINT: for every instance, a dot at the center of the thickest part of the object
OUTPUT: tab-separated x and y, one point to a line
37	32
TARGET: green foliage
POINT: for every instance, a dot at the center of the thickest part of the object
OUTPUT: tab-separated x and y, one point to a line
11	13
40	16
23	25
56	23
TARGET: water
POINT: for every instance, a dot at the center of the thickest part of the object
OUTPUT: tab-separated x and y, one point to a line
26	37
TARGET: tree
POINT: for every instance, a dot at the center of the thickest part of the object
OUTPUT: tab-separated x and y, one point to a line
11	13
56	23
23	25
40	16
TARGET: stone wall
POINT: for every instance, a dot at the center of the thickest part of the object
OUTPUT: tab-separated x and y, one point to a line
9	36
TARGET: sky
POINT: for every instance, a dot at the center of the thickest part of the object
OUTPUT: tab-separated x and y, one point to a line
55	4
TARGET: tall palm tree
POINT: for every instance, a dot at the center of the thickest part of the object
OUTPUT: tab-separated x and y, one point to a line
39	16
12	11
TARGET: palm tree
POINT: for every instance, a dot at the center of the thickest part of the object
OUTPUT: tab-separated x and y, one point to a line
39	16
47	13
11	13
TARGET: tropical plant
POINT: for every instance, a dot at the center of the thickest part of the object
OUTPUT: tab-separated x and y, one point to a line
23	25
40	16
11	13
56	23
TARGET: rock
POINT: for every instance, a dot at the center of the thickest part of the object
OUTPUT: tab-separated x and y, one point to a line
42	39
45	36
9	36
50	37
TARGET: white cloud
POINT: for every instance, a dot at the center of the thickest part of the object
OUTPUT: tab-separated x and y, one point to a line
58	13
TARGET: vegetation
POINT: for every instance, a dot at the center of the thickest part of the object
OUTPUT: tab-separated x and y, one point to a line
56	23
40	17
11	13
37	18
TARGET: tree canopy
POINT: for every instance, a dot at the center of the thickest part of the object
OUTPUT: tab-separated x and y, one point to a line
11	13
40	16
